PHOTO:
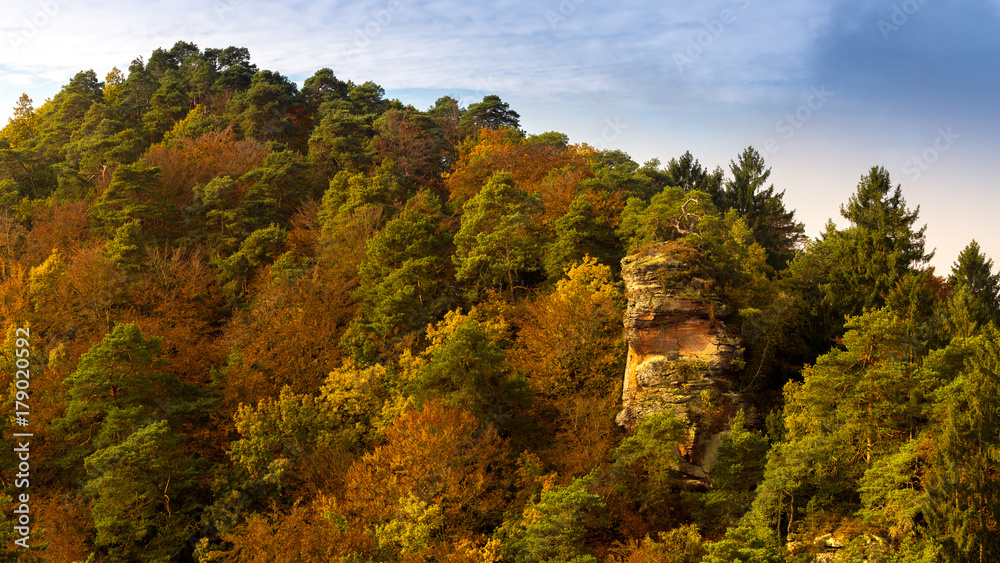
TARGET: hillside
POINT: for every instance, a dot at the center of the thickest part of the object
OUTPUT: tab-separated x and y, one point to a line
247	321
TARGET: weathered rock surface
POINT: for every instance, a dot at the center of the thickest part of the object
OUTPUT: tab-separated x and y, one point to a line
679	353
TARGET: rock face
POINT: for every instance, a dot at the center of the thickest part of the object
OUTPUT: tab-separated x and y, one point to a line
679	353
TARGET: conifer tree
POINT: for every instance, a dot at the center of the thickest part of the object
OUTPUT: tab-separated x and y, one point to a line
495	246
976	286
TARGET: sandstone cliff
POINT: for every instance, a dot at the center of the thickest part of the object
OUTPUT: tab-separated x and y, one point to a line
679	353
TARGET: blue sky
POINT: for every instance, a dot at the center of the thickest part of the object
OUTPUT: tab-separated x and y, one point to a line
824	90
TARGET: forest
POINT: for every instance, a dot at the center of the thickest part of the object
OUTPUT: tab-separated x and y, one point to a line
266	323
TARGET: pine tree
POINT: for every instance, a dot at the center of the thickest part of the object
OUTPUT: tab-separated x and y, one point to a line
495	246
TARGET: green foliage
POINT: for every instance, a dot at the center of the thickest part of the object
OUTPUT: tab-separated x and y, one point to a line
262	110
975	290
746	543
579	233
492	112
773	227
401	279
130	196
963	493
126	250
670	215
494	244
647	465
412	530
340	142
464	365
191	182
687	174
142	489
285	441
118	386
554	528
879	248
168	105
736	473
853	408
261	247
890	492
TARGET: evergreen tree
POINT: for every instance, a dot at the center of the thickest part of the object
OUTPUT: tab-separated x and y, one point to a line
494	245
492	113
773	227
400	280
879	248
976	286
963	483
688	174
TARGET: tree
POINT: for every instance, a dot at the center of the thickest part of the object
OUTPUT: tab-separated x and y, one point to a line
142	491
340	141
261	111
401	279
879	247
736	474
415	142
569	341
323	86
773	227
582	231
854	409
554	529
492	113
168	104
494	243
22	126
132	194
976	286
687	174
118	386
669	215
296	442
464	365
963	482
435	457
236	72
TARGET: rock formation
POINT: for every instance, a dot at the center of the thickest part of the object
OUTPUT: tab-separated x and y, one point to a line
679	352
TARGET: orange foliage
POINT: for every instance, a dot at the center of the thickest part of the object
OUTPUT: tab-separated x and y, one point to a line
186	162
75	298
14	305
552	172
67	525
305	231
570	340
440	455
584	431
288	337
175	298
62	226
301	535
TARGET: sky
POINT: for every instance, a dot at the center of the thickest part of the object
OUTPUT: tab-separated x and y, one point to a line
824	90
